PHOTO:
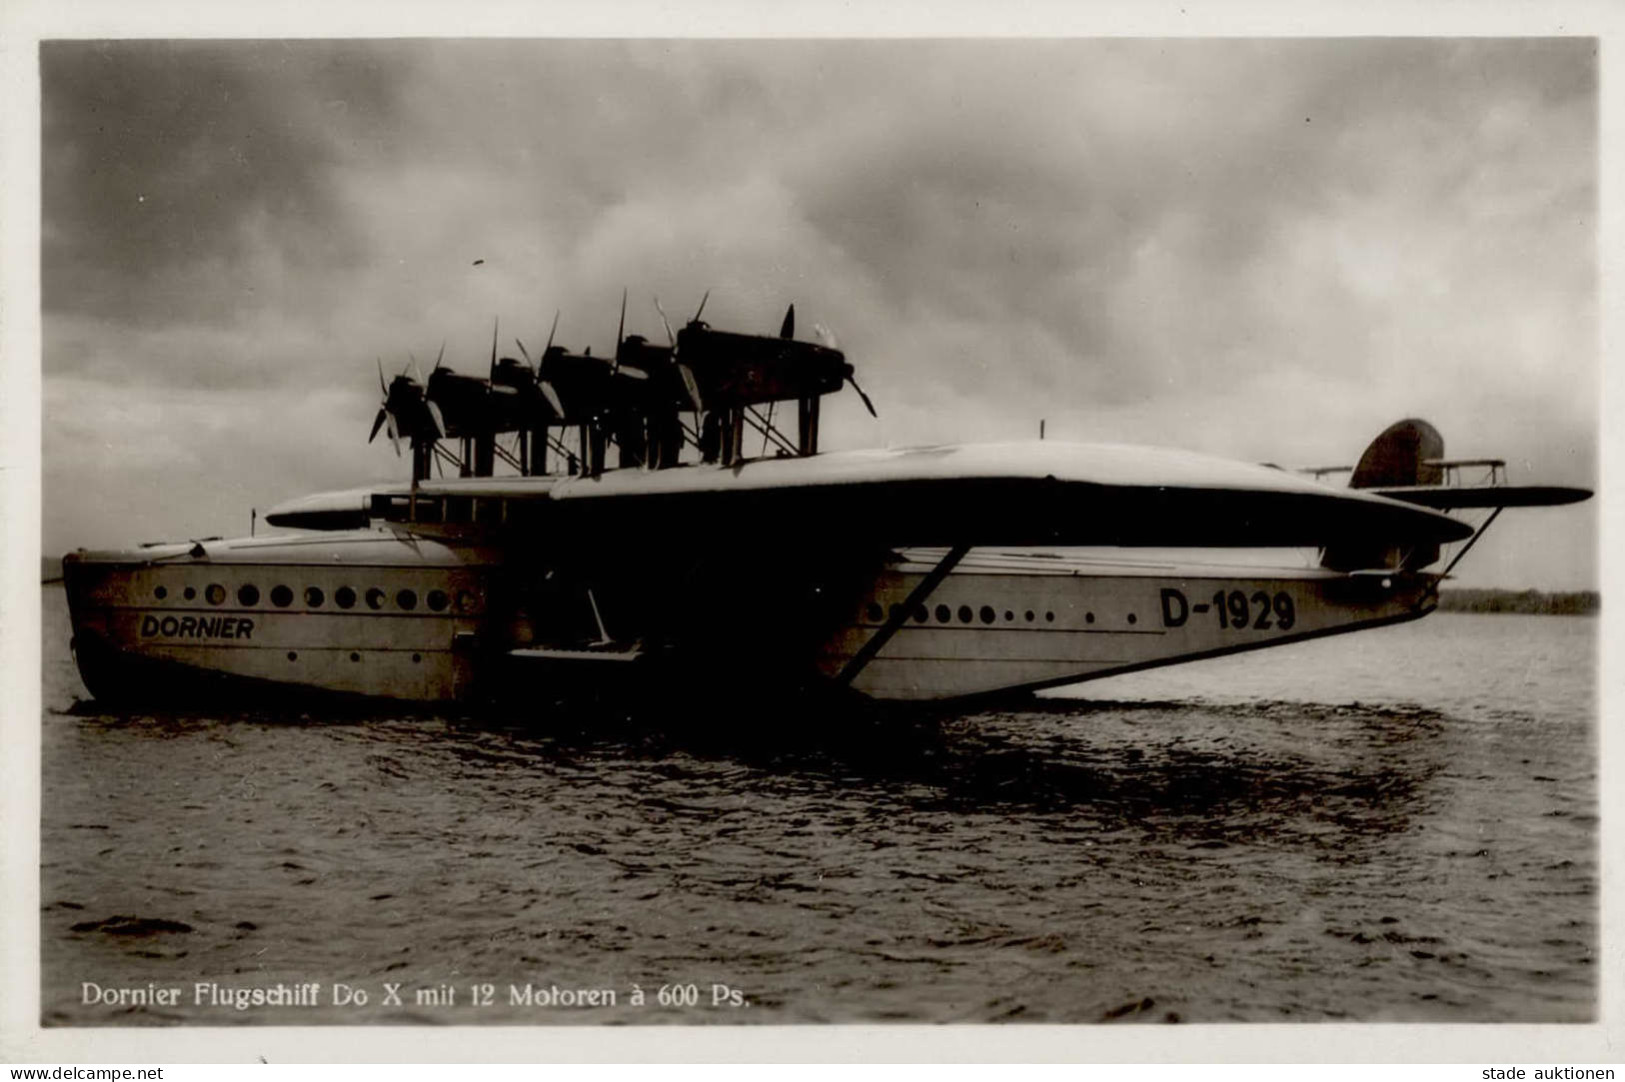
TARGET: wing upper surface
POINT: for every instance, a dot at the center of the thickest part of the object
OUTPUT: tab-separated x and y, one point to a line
1028	493
1047	493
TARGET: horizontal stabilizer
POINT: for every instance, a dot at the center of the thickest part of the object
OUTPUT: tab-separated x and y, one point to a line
1453	497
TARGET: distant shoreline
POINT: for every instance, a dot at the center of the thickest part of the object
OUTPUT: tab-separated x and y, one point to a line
1522	602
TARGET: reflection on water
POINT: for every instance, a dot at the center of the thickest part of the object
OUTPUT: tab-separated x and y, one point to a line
1264	847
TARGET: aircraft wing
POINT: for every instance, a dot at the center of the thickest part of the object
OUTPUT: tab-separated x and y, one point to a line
1038	493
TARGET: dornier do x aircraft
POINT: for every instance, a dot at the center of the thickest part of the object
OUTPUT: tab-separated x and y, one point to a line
586	522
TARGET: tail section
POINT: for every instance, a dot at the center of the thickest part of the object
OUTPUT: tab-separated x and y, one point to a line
1408	454
1407	463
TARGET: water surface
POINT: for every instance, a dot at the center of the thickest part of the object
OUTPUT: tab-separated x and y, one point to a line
1397	825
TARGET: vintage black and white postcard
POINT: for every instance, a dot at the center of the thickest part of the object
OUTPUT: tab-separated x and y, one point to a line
612	525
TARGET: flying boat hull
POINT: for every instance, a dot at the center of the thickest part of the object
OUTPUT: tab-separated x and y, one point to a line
381	615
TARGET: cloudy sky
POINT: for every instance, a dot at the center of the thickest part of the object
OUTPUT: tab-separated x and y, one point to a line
1268	250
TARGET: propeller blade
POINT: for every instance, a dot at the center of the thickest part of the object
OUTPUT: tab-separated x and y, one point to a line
394	435
825	336
439	357
494	322
692	386
435	416
382	386
411	364
552	397
620	330
630	372
523	352
550	333
701	308
377	423
788	328
671	339
870	406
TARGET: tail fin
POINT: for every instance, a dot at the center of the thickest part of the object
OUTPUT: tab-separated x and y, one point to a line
1400	456
1406	454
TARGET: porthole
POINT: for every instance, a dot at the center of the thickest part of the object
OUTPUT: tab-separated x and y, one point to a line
438	600
417	658
281	596
964	614
314	597
215	593
1049	617
375	598
1133	619
160	593
293	656
873	612
1008	616
920	615
987	614
407	600
1030	616
248	595
1088	617
355	657
344	597
465	601
943	615
189	593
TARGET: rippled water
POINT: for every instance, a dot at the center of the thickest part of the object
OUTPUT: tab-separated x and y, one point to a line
1399	825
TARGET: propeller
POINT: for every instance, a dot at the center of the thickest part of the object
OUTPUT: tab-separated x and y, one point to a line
550	332
383	409
616	368
543	385
868	405
495	322
671	339
405	410
690	384
788	328
827	339
620	328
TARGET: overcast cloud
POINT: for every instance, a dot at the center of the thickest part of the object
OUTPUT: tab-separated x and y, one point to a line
1268	250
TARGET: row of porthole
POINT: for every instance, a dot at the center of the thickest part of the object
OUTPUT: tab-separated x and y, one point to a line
293	655
988	614
248	595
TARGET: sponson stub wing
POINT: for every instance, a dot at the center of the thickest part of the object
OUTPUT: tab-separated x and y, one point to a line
1037	493
349	509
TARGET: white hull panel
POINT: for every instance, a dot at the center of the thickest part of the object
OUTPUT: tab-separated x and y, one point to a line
999	624
376	618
